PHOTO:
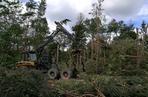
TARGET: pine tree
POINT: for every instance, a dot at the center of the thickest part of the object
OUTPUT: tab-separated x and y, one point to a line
79	43
10	32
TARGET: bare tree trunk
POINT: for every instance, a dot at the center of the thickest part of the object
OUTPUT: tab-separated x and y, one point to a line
92	49
57	56
97	53
141	54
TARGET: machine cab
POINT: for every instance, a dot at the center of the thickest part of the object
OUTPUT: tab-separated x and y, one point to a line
32	56
29	56
29	59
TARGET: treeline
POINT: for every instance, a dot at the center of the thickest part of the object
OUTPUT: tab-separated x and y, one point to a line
115	48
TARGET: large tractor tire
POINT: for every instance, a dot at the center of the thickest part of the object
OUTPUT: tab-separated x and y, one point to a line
66	74
53	74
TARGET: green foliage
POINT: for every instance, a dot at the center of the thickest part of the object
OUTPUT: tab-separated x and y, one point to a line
31	4
42	8
119	86
115	50
127	32
32	83
79	40
10	33
114	26
23	83
74	86
90	67
110	86
19	30
91	27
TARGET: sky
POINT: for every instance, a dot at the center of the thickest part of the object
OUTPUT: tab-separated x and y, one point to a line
130	11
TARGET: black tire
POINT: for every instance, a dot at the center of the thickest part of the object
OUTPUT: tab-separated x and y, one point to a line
66	74
53	74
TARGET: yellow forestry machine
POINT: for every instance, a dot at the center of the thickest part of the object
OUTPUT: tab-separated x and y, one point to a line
39	58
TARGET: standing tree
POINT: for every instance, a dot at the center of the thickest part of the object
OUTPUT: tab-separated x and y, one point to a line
79	42
10	32
40	25
96	12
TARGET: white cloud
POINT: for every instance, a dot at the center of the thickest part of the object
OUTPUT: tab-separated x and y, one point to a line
118	9
122	8
144	10
80	5
61	9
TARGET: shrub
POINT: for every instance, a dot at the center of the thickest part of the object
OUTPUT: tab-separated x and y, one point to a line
74	86
91	67
23	83
119	86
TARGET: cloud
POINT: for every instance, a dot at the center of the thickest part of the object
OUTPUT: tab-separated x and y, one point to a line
61	9
60	12
144	10
130	11
23	0
122	8
119	9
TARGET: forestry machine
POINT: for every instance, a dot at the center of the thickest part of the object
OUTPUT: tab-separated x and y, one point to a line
39	58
